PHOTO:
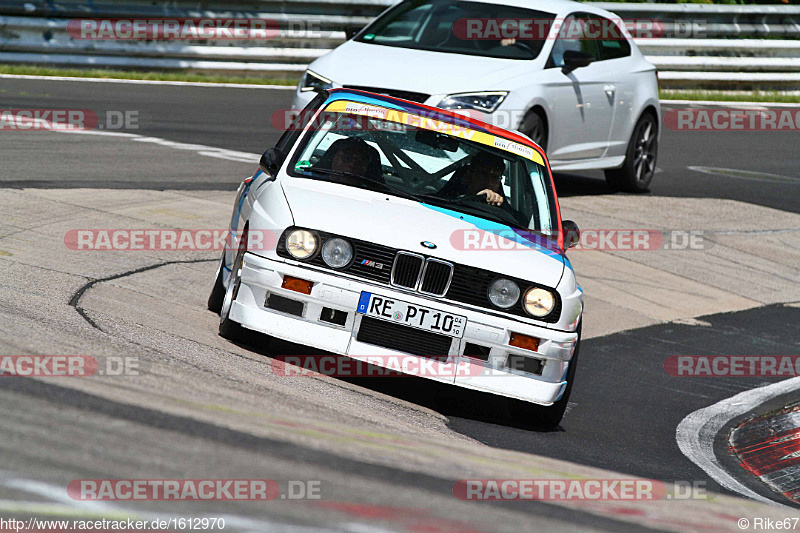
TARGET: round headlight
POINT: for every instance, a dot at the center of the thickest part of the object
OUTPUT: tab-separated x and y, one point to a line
539	302
503	293
337	253
301	244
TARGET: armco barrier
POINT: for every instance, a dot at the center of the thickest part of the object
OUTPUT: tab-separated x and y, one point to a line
713	46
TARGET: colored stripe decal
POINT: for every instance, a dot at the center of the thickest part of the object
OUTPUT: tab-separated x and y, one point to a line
539	244
448	127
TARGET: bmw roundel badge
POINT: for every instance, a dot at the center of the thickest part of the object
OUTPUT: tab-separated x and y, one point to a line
428	244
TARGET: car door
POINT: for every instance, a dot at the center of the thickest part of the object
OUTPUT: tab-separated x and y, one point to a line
581	101
615	51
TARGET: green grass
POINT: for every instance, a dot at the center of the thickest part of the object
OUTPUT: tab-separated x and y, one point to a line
731	96
141	75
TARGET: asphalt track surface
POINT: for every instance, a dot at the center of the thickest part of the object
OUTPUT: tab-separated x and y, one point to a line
240	119
622	417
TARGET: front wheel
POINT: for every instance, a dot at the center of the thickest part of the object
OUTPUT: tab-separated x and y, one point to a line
218	292
535	127
227	327
637	172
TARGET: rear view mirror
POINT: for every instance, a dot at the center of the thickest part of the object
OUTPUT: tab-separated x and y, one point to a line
574	59
271	161
572	235
437	140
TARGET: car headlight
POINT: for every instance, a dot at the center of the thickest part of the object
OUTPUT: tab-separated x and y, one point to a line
486	102
301	244
337	253
539	302
314	82
503	293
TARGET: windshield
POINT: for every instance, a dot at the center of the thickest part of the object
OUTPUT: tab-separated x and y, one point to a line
461	27
434	162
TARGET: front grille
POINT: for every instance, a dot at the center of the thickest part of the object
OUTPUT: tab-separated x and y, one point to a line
406	269
403	338
470	285
436	277
370	261
397	93
467	284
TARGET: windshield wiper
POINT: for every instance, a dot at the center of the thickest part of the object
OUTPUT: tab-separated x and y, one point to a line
376	185
478	207
359	177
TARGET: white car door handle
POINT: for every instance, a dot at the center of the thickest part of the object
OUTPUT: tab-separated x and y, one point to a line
610	89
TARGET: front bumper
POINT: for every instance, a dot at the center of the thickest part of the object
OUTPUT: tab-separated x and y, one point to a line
489	372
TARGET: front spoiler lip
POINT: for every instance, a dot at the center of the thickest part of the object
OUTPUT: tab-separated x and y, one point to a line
262	276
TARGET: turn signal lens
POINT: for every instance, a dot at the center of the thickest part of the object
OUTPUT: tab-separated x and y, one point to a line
297	284
524	341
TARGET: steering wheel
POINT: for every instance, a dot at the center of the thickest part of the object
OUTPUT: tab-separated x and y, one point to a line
509	212
525	46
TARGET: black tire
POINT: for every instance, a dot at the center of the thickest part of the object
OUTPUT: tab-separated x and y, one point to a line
218	292
534	126
228	328
637	172
549	417
231	330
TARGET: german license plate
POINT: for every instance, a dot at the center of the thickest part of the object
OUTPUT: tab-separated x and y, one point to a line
413	315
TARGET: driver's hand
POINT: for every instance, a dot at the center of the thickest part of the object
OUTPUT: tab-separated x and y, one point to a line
492	198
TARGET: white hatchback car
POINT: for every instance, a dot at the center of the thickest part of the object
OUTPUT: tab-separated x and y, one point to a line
408	231
566	74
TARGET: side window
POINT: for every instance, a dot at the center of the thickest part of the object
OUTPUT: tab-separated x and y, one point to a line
613	43
572	36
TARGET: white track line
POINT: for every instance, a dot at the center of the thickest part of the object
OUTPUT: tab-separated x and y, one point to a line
149	82
200	149
696	432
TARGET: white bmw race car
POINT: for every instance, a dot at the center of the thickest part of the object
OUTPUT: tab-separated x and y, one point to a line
381	227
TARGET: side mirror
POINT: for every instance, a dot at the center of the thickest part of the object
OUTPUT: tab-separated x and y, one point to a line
271	161
572	235
350	32
574	59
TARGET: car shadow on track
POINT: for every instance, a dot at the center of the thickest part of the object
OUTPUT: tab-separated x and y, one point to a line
447	400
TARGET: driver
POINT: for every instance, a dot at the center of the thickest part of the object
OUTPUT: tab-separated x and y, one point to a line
481	177
352	156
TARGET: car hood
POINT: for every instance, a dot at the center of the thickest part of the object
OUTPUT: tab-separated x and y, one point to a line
404	224
427	72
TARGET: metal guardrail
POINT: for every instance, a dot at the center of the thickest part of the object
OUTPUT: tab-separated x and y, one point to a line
691	53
